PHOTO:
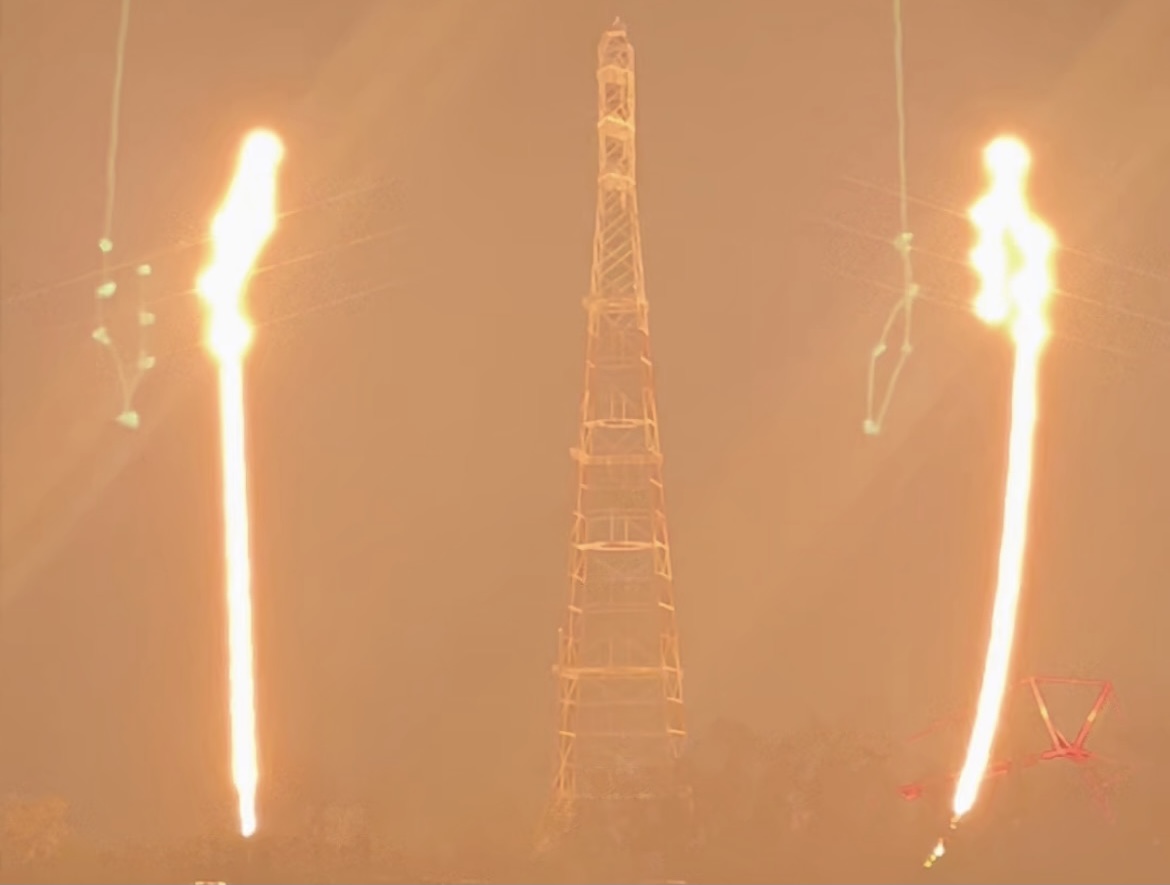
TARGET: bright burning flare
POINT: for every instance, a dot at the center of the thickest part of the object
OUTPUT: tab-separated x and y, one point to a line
239	231
1013	257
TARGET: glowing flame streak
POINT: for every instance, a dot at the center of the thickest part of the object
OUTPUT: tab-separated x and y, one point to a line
940	849
239	231
1013	257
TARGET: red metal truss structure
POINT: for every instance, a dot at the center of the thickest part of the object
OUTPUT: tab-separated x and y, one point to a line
1073	749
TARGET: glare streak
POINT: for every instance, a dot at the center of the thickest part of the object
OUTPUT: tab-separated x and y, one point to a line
239	232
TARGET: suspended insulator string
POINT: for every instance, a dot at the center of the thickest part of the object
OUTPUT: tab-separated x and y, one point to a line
875	407
129	372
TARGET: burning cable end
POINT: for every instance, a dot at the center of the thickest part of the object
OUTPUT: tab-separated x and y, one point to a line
936	854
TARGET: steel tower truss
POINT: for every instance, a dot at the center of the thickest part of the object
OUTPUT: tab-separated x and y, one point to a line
621	723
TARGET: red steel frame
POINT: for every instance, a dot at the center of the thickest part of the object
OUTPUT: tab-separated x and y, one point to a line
1075	750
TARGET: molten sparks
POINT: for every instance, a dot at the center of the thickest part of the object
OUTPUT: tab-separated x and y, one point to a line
1013	257
940	849
245	221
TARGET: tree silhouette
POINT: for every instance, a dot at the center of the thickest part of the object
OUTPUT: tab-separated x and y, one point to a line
32	830
817	805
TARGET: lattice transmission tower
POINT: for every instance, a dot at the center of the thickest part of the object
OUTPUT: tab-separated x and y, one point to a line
621	722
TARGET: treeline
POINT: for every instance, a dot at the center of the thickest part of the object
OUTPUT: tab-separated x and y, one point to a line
821	805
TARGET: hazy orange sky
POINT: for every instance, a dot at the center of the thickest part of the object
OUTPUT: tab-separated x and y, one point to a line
412	486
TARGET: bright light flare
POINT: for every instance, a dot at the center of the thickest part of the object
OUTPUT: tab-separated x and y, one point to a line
1013	257
244	223
937	854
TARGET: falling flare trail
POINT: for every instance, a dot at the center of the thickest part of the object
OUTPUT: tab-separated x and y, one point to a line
1013	258
239	231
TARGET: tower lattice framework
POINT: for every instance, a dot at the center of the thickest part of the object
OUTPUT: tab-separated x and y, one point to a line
621	722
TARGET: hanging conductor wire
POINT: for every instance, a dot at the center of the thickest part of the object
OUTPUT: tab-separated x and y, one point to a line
129	371
875	407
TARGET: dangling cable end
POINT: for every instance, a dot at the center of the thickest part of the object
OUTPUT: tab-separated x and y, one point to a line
871	427
128	419
936	854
